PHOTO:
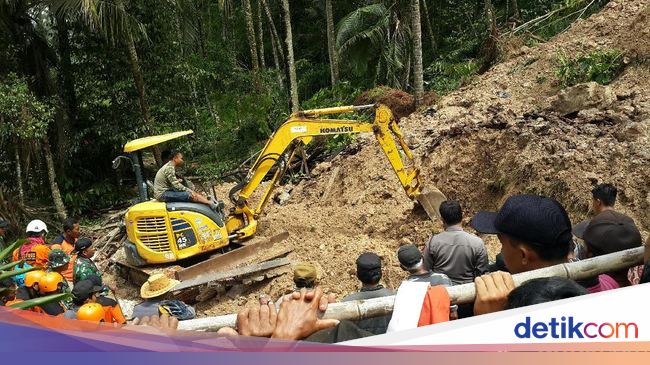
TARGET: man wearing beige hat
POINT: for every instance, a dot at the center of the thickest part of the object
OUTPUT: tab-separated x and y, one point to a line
155	292
305	276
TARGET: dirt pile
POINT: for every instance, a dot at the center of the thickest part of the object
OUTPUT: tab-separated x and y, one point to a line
487	141
401	103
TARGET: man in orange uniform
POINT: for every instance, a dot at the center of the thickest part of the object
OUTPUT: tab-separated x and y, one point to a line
30	290
34	252
65	242
51	284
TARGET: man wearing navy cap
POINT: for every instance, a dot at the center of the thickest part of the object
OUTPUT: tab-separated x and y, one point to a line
535	232
369	274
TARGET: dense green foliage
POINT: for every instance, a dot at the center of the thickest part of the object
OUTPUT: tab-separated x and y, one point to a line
66	73
601	66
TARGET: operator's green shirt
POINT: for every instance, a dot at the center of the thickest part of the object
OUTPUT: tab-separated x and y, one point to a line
166	180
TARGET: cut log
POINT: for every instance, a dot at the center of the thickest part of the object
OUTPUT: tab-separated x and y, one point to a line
460	294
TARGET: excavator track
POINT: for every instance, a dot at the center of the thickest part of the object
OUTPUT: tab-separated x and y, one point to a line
252	263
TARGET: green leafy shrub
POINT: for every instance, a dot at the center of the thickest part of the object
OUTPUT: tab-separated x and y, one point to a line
601	66
443	77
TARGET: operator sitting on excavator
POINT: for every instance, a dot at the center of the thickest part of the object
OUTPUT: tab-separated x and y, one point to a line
168	188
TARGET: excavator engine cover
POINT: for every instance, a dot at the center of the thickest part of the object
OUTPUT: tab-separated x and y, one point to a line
166	232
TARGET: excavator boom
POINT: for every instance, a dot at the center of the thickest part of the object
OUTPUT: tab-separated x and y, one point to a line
299	129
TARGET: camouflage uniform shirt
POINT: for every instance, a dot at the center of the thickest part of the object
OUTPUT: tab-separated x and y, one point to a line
85	267
2	247
166	180
66	289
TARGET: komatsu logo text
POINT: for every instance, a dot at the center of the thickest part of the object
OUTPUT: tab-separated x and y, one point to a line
337	130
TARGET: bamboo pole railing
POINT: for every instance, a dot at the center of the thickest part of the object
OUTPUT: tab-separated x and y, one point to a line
460	294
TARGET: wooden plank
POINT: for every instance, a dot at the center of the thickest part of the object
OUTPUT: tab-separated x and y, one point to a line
335	174
230	275
228	260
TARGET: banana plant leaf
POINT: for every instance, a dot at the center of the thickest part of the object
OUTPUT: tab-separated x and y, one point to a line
41	301
11	248
11	265
9	274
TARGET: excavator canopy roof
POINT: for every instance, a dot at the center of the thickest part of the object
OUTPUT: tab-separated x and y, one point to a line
145	142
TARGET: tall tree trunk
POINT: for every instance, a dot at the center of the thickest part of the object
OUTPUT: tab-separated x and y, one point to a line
427	19
417	53
260	31
515	9
179	28
275	45
274	32
199	22
331	43
66	116
21	191
250	32
293	83
66	76
51	174
139	83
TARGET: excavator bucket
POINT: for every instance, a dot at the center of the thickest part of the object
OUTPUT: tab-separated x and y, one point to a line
430	199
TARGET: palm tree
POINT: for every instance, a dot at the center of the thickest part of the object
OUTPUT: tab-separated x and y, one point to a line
139	82
417	52
35	57
331	43
293	83
379	34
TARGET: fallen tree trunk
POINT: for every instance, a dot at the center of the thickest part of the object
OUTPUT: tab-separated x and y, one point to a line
460	294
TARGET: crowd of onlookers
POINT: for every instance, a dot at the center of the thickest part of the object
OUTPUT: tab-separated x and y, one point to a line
534	232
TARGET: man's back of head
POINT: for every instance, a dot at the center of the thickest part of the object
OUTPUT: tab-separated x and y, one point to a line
544	290
369	268
305	275
609	232
535	231
604	197
451	213
410	258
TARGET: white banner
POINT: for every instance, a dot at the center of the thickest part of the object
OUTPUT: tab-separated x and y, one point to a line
618	315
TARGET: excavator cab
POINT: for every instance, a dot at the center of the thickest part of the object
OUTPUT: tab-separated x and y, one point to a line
165	232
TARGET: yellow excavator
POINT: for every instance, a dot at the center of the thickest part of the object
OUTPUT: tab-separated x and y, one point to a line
159	232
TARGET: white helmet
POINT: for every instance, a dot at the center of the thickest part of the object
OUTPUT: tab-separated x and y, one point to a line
36	225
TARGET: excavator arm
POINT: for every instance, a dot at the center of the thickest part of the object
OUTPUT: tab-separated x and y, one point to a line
299	129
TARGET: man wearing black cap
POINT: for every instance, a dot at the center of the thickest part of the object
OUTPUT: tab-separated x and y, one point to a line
369	273
84	292
609	232
410	259
534	231
84	265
